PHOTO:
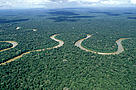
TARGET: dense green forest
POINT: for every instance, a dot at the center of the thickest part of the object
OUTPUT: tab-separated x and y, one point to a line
4	45
68	67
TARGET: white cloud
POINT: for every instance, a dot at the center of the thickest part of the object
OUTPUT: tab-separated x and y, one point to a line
25	3
116	2
35	1
84	0
63	3
133	1
111	2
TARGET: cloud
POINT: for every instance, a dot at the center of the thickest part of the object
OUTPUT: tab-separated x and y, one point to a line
115	2
133	1
63	3
84	0
111	2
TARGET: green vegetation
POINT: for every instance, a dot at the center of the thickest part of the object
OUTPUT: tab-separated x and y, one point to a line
68	66
101	43
4	45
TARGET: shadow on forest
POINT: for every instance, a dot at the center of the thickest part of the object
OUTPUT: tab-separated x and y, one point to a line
11	21
128	13
107	13
71	18
63	13
131	17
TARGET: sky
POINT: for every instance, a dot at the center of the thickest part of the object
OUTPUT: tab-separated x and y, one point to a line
17	4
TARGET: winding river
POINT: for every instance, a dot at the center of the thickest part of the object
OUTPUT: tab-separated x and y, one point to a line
61	43
14	44
120	47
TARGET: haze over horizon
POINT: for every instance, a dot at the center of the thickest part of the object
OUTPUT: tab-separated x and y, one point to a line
19	4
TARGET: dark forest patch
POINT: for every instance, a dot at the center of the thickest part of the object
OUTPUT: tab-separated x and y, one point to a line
128	13
63	13
82	17
66	18
131	17
107	13
11	21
